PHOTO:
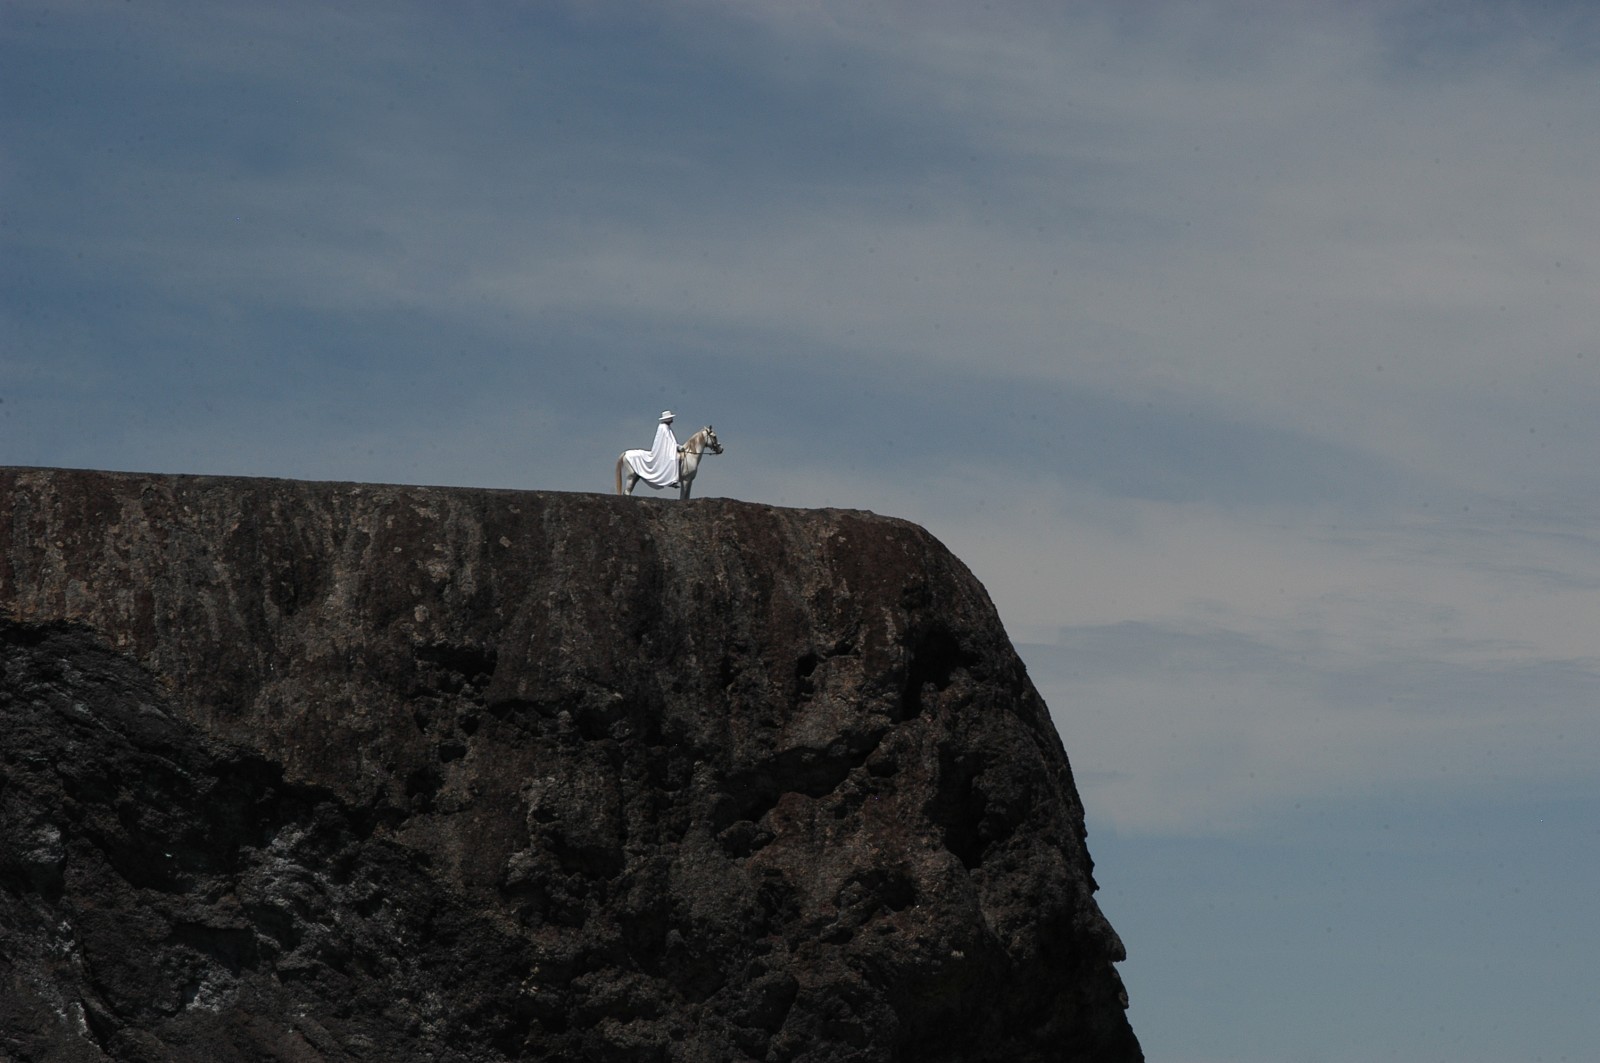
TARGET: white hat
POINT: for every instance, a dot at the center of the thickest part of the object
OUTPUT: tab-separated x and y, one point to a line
666	415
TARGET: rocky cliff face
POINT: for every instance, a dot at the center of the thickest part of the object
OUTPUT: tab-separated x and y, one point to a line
295	771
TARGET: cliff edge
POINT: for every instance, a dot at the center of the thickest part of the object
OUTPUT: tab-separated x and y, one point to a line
337	772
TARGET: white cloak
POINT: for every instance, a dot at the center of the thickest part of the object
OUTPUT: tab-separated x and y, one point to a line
657	466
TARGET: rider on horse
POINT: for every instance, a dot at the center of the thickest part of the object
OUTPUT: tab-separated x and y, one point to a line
658	466
666	464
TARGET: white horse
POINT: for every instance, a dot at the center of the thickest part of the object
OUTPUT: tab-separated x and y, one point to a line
689	452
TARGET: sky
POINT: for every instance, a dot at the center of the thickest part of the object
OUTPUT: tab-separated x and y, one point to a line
1247	352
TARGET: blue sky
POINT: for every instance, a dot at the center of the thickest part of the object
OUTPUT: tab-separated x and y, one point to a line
1246	351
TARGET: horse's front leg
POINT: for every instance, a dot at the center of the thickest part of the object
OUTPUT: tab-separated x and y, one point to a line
683	488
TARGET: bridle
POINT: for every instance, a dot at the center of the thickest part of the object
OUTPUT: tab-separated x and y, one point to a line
711	444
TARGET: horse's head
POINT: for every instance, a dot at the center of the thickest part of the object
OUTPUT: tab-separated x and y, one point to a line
711	440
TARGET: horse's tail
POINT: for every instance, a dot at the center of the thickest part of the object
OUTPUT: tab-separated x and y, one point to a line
619	474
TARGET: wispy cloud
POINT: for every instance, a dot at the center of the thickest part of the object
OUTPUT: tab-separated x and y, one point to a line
1211	733
1285	221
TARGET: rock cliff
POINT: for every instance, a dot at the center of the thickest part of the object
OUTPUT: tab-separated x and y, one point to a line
315	772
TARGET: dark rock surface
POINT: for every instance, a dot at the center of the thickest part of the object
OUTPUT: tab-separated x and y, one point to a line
298	771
